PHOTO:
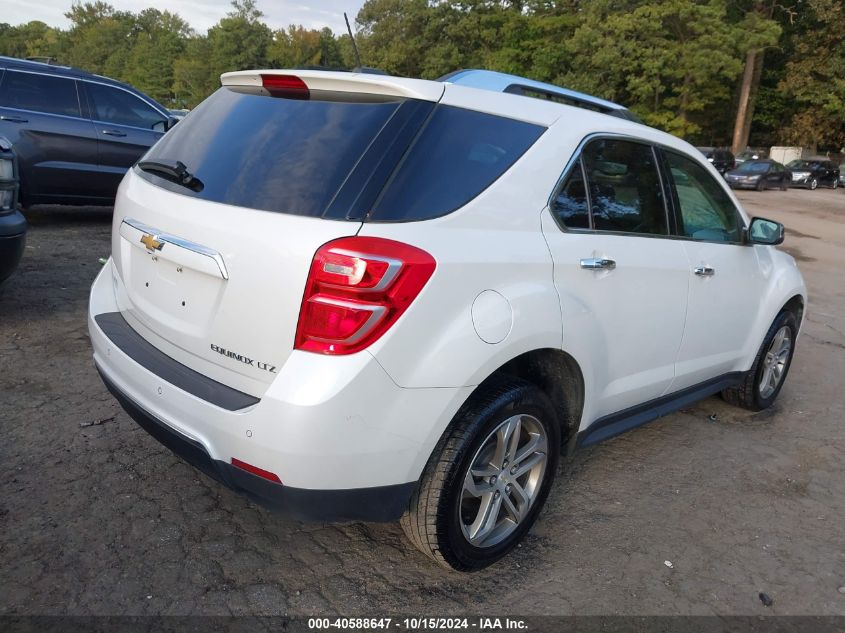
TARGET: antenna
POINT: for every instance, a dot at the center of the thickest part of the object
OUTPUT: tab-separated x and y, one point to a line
352	37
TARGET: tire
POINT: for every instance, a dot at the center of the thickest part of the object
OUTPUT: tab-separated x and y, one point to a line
761	185
813	184
441	514
784	185
835	183
749	393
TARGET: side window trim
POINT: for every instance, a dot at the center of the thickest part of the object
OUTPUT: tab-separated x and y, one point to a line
676	203
664	189
7	73
673	205
93	110
578	159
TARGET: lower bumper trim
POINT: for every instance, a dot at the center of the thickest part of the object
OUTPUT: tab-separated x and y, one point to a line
376	504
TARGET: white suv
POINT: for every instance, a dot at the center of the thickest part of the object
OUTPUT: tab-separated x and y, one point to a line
362	297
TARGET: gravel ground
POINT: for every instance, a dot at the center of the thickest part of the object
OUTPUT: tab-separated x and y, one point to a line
101	519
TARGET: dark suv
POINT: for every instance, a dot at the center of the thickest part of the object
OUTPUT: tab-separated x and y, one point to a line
75	134
812	172
722	159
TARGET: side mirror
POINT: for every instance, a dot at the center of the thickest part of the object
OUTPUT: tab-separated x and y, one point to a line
763	231
163	126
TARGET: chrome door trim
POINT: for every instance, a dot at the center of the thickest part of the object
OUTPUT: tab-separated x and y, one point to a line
598	263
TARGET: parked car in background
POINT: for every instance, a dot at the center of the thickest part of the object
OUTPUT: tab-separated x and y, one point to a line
722	159
12	222
403	302
759	175
750	154
812	172
842	175
75	134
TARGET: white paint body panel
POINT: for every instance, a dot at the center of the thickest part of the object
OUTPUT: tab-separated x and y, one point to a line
373	418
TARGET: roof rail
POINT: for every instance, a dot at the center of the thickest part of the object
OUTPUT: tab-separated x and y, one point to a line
514	84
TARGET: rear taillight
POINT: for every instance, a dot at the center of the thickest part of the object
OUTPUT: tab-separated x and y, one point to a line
357	288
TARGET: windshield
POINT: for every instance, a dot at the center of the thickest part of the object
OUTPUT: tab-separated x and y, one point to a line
801	164
754	167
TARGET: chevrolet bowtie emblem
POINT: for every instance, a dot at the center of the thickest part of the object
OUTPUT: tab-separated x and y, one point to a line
151	242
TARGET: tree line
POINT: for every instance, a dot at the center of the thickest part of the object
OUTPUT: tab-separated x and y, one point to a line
717	72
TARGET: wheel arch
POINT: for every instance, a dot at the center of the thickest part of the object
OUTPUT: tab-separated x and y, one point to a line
792	296
558	375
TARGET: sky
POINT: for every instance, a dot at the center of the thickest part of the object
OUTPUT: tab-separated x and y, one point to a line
200	14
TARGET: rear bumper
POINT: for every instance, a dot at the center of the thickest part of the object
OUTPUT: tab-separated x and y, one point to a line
381	503
346	442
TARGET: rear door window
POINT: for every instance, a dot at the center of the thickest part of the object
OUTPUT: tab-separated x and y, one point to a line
113	105
39	93
624	187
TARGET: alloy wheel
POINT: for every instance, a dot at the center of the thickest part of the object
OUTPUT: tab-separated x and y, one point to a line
774	362
503	480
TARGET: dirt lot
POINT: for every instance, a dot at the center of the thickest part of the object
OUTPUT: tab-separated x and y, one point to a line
102	520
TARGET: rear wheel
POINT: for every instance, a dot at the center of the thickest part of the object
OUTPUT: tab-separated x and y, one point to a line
488	477
835	183
761	184
762	383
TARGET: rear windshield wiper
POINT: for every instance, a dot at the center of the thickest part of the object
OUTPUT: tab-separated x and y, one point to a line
172	170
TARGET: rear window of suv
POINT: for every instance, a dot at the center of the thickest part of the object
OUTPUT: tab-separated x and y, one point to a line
339	155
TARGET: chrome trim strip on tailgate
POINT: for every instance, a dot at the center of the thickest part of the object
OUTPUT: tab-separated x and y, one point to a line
121	334
180	242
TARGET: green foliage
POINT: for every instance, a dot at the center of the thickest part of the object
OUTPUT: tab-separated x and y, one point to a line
676	63
815	77
670	61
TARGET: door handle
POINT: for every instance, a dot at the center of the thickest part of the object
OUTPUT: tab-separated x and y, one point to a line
114	133
13	119
598	263
705	271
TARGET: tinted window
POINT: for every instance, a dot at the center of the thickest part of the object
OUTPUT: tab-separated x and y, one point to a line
113	105
707	212
41	93
570	204
624	187
754	168
272	153
458	154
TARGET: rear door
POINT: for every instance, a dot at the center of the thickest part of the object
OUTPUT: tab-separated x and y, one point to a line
622	281
725	279
57	148
776	175
214	274
126	126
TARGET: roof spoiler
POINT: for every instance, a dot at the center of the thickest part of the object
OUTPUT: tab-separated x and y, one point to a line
341	81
